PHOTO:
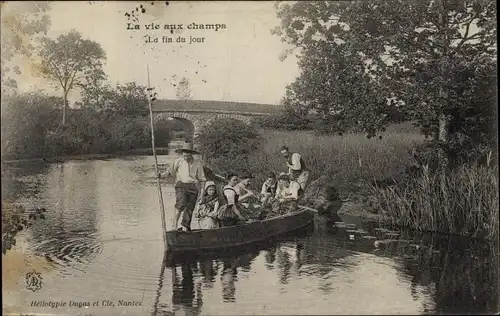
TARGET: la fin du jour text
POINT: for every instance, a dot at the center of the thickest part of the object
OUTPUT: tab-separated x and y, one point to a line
155	38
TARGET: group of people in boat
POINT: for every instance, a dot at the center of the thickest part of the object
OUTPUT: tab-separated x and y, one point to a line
200	205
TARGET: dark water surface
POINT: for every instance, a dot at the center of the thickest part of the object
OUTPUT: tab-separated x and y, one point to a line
101	243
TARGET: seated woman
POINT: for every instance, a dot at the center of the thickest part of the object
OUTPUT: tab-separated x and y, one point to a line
287	197
205	213
233	211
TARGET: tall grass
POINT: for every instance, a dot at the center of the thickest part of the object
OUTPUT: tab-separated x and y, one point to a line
463	202
349	162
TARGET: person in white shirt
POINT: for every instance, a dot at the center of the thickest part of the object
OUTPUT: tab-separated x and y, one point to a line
296	167
189	185
291	190
287	197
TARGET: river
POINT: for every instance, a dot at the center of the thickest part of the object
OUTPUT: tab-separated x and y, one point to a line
99	251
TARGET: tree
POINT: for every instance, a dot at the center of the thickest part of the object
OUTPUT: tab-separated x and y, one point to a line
22	23
71	61
27	118
422	59
228	143
128	98
95	91
289	119
183	89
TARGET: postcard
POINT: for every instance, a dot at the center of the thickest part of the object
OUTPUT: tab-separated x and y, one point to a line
249	157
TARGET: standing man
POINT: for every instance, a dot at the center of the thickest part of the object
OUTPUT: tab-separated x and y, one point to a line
296	167
189	183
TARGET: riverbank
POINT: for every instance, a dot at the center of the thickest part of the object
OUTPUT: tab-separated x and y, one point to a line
378	180
342	168
58	159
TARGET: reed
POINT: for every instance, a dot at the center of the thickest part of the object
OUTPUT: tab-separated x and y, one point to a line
464	202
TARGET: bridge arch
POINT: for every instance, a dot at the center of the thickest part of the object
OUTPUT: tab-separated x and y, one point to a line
190	122
195	123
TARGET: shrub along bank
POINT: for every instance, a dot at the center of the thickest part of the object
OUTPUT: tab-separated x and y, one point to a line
31	128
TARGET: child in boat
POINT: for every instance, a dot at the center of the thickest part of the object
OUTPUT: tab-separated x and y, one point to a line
234	211
205	213
268	189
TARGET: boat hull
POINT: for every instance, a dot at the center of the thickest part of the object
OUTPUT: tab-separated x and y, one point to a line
239	235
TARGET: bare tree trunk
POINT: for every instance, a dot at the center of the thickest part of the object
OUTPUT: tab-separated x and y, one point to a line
444	123
444	128
443	135
64	107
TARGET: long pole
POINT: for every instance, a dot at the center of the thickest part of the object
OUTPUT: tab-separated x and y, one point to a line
160	194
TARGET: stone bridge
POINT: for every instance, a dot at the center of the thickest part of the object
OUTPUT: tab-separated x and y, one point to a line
195	115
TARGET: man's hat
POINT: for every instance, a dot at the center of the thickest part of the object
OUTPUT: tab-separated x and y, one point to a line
284	177
187	148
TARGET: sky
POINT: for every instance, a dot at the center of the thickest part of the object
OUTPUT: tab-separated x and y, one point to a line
238	63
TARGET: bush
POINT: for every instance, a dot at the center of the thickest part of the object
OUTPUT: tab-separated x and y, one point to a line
26	119
287	120
228	143
31	128
15	219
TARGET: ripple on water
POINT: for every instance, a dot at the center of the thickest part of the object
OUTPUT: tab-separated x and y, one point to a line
69	252
124	271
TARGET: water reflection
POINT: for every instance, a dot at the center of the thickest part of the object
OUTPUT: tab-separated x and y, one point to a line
270	256
460	273
183	287
21	181
455	273
208	269
229	276
284	264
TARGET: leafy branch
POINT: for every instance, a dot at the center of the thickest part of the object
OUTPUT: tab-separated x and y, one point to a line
14	220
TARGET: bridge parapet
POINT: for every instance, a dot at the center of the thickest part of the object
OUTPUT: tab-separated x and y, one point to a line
216	107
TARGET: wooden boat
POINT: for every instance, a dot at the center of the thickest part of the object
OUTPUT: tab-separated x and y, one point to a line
240	235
